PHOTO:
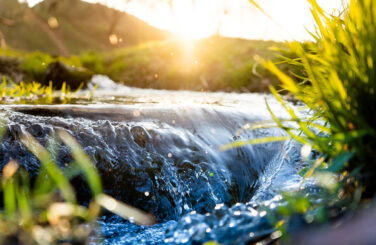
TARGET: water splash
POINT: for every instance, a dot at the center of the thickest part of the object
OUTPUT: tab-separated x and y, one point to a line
158	151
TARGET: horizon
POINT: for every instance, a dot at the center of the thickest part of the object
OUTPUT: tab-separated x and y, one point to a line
238	20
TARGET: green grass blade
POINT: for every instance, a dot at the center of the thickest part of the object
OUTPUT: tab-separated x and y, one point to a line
264	140
51	168
84	162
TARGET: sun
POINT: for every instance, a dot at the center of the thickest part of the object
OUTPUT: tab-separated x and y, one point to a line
191	19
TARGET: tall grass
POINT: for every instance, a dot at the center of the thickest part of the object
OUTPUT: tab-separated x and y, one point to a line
339	90
336	84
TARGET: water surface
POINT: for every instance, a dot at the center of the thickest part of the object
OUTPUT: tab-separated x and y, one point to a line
159	151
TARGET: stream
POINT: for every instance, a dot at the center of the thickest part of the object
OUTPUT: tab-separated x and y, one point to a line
159	151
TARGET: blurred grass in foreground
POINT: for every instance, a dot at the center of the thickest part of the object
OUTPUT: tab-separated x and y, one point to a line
46	212
36	93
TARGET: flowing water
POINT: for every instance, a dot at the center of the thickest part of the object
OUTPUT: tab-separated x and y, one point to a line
159	151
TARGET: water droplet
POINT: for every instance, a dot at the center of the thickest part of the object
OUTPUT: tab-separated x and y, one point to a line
252	211
262	213
169	155
188	220
136	113
147	193
218	206
251	234
208	230
232	224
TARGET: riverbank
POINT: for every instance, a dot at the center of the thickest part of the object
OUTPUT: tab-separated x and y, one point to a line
212	64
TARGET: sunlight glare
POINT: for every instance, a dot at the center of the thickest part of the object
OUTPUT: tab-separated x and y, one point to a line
192	20
196	19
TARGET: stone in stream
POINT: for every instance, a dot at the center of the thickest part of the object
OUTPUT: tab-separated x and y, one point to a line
58	73
10	68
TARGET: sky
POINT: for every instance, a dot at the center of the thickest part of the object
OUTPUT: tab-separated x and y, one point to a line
194	19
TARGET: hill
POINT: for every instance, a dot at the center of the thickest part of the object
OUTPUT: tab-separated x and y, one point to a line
64	27
212	64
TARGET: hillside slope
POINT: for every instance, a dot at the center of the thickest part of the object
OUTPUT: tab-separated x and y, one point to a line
65	27
211	64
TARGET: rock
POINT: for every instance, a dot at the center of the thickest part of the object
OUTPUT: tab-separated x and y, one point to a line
10	67
58	73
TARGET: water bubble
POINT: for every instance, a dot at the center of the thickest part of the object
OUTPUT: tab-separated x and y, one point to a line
262	213
251	234
252	211
147	193
219	206
185	240
188	220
